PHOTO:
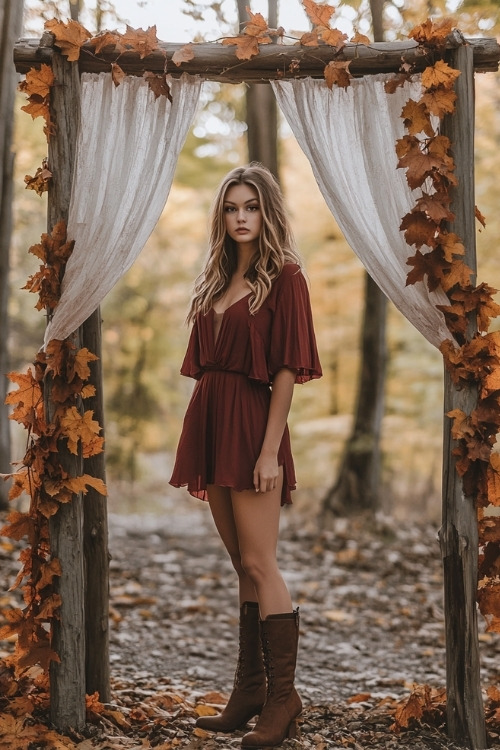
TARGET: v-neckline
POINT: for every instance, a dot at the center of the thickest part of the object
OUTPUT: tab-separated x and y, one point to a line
218	318
231	305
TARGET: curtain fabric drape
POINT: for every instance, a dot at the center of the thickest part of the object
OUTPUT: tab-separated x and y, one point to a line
349	137
127	151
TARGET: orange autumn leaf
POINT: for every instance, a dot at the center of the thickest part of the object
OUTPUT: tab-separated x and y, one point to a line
432	33
27	398
14	618
488	597
257	25
418	228
142	41
78	427
428	265
436	206
48	570
93	447
69	37
440	74
458	273
479	216
80	364
479	299
19	525
158	84
334	38
493	479
450	244
38	81
88	391
461	427
440	101
337	72
360	39
40	181
319	15
105	39
393	83
246	46
117	74
416	118
184	54
81	484
39	653
418	163
309	39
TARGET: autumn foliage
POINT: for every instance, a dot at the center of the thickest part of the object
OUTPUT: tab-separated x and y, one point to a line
472	361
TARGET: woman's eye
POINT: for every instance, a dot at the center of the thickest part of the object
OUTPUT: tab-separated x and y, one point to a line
228	209
253	208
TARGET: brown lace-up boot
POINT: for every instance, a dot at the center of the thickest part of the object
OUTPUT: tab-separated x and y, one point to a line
249	691
278	718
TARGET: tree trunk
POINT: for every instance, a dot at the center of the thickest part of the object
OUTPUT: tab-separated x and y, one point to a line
261	107
357	485
95	536
356	488
67	678
458	535
11	16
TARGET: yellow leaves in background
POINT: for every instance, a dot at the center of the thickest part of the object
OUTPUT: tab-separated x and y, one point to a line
36	86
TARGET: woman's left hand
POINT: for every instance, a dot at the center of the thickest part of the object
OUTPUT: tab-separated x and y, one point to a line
266	472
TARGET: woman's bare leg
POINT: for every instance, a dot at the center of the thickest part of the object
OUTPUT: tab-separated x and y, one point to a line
220	502
256	526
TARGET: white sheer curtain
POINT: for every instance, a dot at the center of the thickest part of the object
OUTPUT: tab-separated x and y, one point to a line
127	150
349	137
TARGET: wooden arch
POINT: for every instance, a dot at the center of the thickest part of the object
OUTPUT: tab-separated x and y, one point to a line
76	536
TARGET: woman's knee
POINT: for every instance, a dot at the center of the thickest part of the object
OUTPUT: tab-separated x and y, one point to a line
237	563
257	567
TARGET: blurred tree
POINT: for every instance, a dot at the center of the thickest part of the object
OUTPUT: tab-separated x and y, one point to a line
11	15
356	487
261	108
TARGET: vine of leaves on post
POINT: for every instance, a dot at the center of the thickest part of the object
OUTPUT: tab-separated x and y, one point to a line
424	154
427	158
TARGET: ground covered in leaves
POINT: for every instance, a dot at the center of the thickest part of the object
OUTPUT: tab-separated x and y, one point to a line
372	629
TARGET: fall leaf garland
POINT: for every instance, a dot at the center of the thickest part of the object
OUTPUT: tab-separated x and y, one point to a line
40	474
427	158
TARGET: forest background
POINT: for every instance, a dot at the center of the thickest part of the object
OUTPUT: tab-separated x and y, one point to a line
144	331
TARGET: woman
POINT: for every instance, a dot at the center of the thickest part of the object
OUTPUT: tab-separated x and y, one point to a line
252	340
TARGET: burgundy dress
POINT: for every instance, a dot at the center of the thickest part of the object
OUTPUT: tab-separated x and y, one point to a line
226	419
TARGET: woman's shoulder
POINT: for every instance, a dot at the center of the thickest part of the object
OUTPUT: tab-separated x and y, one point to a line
288	271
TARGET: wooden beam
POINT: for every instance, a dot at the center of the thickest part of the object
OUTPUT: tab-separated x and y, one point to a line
459	534
216	62
67	678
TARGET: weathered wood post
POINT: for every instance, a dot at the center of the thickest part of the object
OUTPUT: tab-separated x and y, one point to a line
67	678
95	537
459	534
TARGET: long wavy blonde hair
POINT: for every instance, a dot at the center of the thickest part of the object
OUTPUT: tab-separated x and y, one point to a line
276	243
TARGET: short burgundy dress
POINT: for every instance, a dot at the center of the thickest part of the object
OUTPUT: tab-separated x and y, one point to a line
226	419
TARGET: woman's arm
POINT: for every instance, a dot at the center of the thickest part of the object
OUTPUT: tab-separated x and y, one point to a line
266	470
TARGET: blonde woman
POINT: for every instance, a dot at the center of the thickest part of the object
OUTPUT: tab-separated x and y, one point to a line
252	340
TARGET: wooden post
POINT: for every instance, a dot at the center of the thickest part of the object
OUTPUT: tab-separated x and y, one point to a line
459	534
95	533
67	678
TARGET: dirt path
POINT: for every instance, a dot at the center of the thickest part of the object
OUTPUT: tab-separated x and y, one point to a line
371	626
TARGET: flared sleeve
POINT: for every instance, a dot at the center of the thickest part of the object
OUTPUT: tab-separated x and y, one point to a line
191	366
292	340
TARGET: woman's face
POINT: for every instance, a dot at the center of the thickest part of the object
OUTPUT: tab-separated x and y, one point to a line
242	214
